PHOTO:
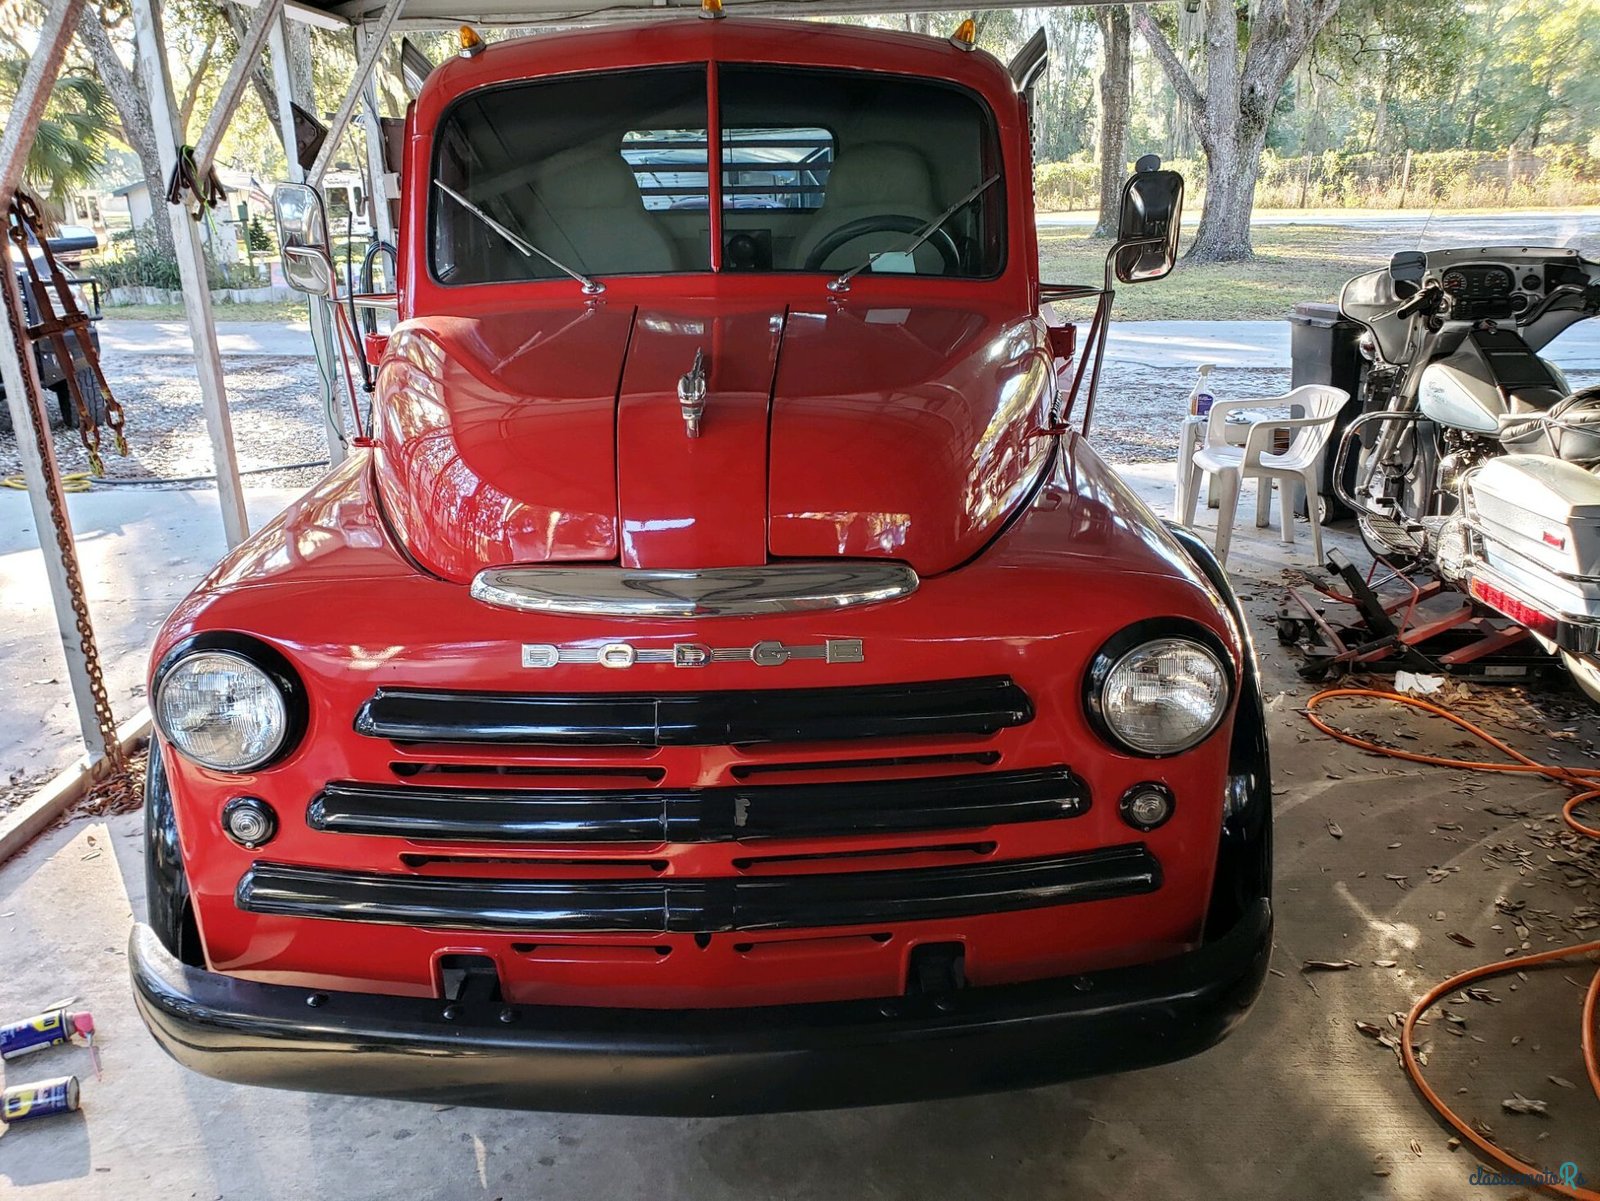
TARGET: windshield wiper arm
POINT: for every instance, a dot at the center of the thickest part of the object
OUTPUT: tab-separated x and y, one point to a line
591	287
842	283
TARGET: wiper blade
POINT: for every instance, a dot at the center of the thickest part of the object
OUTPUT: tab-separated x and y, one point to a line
591	287
842	283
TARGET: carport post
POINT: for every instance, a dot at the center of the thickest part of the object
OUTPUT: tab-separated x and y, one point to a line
233	88
321	319
24	396
377	37
382	226
151	48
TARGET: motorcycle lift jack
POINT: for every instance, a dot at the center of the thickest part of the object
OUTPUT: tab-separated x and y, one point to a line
1397	624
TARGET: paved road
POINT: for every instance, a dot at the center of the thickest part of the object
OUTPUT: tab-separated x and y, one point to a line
1416	227
290	338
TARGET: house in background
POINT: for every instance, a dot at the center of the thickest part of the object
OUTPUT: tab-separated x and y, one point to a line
224	230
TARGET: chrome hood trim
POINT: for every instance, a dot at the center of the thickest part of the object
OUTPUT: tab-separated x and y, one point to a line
710	592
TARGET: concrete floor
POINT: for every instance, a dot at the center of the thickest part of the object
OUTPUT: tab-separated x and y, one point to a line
140	551
1296	1104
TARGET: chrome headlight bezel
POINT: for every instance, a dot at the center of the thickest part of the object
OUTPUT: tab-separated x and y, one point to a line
1135	638
256	655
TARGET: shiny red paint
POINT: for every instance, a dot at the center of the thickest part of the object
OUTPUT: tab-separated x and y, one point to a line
525	423
1035	605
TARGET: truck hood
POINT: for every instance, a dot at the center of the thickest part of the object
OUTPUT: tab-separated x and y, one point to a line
555	435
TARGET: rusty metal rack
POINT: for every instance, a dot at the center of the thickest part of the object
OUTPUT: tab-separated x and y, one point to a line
1402	620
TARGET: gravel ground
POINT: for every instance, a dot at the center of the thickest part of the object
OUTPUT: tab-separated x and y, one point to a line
276	409
276	417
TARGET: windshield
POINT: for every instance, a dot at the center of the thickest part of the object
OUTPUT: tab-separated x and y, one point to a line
821	171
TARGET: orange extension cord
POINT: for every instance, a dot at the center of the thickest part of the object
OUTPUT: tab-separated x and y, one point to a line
1582	779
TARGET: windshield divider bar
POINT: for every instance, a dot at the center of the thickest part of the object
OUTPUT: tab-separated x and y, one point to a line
714	164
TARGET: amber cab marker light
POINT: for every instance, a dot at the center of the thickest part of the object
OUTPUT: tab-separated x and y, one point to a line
712	9
471	42
966	35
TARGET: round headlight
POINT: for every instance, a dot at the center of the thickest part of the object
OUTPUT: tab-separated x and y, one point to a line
1164	696
222	711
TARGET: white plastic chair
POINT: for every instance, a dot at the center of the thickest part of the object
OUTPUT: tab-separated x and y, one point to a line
1300	463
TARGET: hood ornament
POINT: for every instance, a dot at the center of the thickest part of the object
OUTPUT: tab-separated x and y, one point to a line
692	394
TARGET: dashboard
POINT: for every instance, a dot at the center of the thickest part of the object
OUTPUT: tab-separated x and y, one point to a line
1479	290
1500	290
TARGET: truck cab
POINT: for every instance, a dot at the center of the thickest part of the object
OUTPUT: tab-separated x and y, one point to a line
719	679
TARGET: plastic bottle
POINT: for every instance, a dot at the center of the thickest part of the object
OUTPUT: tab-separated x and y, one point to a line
1200	397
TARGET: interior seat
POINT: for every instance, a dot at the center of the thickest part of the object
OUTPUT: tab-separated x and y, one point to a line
872	179
586	210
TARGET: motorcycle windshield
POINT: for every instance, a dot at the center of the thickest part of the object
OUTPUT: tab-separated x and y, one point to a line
1535	272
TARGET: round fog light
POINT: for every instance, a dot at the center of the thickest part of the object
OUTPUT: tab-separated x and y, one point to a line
1146	806
249	821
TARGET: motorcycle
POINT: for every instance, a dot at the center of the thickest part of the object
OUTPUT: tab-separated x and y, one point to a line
1474	458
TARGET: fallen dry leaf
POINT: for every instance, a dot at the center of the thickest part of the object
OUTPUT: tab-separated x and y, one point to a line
1457	937
1517	1103
1328	965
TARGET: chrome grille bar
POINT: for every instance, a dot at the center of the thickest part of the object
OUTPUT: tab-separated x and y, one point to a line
709	592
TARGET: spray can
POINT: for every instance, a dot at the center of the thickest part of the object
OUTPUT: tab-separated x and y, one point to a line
41	1099
45	1030
1200	397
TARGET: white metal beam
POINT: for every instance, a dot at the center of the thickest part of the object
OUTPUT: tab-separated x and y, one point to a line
377	37
283	85
150	45
233	88
24	396
377	172
321	318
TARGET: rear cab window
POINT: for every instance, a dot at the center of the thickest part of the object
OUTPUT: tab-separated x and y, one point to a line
820	171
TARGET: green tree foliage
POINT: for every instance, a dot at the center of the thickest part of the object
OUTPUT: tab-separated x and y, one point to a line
69	146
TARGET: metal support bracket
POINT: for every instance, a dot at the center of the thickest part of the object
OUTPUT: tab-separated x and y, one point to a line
377	37
151	48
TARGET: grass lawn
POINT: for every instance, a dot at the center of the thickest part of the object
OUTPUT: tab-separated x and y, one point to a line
1292	263
271	310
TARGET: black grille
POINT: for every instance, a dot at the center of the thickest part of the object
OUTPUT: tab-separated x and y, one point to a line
691	905
700	815
981	706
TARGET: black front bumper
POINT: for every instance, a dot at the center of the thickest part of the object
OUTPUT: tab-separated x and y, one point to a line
709	1061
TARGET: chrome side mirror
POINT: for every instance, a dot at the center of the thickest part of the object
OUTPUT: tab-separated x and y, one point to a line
1149	222
303	239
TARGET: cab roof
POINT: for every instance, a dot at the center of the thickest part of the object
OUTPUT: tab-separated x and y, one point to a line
732	39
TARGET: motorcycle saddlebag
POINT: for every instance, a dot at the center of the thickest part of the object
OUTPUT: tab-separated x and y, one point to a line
1538	510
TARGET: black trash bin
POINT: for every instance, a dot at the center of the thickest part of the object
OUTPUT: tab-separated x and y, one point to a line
1324	348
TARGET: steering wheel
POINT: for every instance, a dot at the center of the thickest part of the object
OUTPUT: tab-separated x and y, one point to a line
894	223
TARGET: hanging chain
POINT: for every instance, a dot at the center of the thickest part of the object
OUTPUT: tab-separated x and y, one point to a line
25	225
107	724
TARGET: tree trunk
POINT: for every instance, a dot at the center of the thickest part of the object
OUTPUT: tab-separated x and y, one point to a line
1115	88
1231	173
127	89
191	90
1243	77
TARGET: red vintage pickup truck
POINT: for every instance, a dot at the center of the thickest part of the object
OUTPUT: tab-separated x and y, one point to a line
719	679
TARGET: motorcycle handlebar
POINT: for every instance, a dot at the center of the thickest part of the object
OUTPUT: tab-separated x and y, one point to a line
1422	300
